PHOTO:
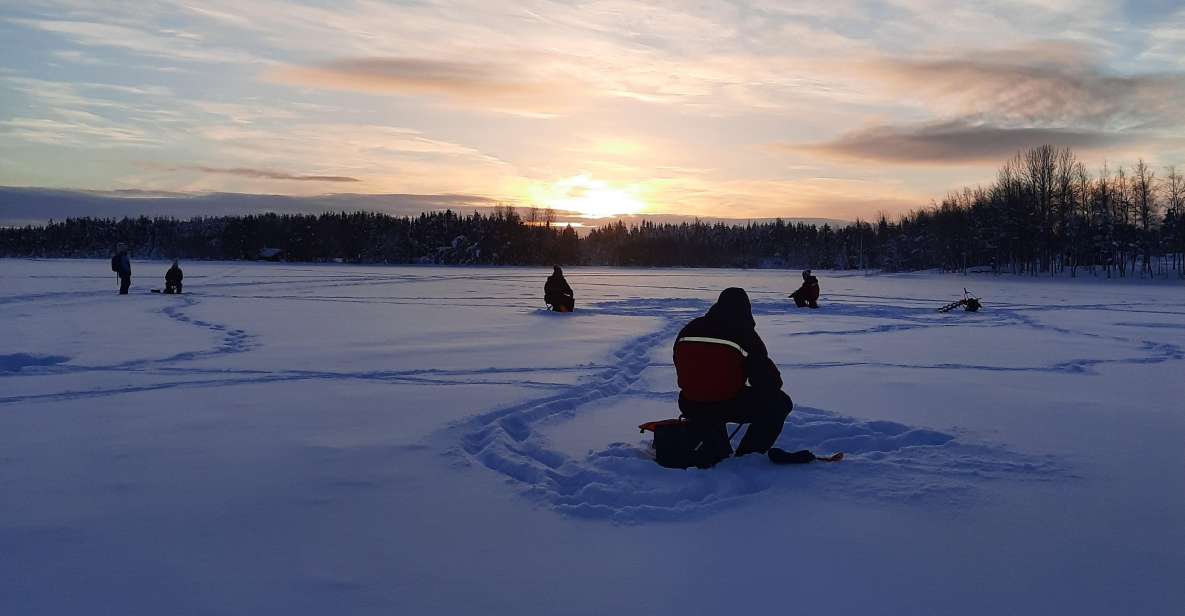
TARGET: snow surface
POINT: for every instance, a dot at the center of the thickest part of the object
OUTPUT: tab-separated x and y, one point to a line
303	439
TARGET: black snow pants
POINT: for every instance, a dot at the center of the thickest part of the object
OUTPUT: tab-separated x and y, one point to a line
125	281
765	410
560	303
801	300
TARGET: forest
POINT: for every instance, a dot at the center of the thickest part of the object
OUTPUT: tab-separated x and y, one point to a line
1045	214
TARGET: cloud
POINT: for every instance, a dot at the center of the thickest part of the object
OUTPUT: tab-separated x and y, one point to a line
495	86
985	106
86	114
265	174
21	206
953	143
385	158
160	42
1048	84
79	129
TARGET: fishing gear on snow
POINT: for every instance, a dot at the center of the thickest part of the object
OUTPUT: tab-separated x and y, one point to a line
969	303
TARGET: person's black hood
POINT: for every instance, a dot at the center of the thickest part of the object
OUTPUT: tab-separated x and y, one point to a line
557	272
733	307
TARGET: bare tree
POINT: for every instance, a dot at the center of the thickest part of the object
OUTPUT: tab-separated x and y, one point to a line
1104	218
1121	206
1173	189
1042	167
1078	237
1065	202
1144	203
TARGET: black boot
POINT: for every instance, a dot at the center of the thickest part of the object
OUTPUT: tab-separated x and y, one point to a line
781	456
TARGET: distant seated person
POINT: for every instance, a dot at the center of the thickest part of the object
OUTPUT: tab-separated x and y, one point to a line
173	279
557	293
808	293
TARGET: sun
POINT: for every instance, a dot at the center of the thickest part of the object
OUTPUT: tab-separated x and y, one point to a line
589	197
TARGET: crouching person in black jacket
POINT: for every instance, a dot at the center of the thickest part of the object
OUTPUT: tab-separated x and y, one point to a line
557	293
173	279
725	375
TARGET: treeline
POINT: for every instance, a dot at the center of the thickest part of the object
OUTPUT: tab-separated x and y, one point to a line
1045	213
761	244
501	237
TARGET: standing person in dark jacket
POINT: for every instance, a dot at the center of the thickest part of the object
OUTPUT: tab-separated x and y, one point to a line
557	293
714	357
121	264
173	279
808	293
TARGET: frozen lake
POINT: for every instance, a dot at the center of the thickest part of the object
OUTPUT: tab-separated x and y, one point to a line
313	439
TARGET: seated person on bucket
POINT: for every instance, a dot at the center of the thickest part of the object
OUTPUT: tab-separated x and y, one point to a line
714	357
557	293
173	279
808	293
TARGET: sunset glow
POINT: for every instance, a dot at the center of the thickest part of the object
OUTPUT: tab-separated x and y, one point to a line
588	197
719	109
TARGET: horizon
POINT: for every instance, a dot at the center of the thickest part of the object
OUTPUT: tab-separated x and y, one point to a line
36	206
720	111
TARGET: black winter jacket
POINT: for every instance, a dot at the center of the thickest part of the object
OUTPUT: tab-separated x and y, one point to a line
731	318
555	289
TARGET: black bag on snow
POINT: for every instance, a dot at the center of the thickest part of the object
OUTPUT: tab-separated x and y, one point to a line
679	443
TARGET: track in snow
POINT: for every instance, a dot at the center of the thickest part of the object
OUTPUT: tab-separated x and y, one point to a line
887	460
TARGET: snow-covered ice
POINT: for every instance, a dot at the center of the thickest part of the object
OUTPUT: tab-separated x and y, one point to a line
308	439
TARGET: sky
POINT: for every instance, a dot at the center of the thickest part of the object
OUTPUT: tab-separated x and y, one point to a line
708	108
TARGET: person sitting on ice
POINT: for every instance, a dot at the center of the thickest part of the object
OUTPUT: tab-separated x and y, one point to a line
557	293
808	293
715	355
173	279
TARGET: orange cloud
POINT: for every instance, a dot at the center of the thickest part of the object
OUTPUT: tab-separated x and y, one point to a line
266	174
487	85
952	143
